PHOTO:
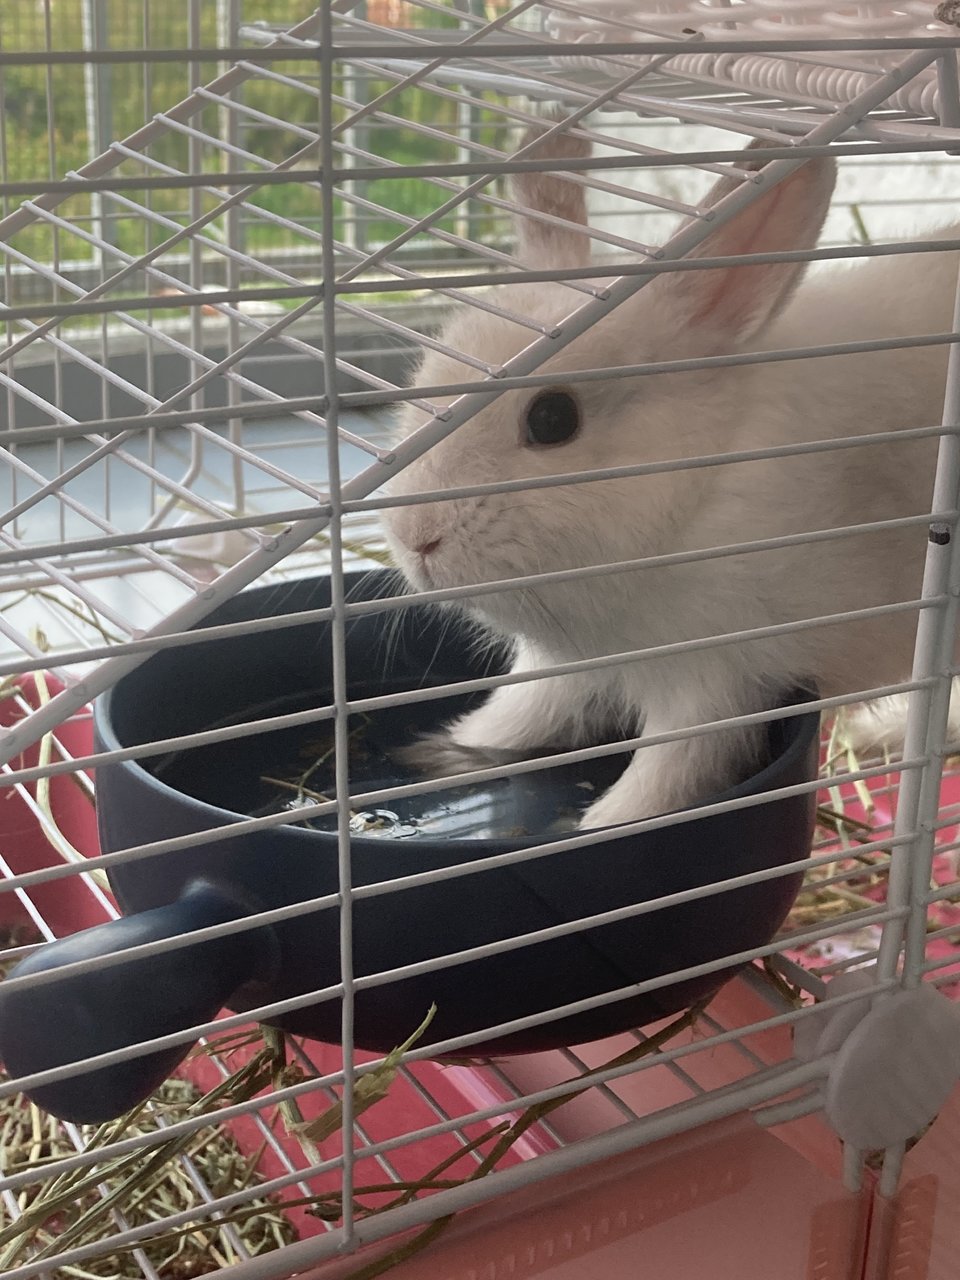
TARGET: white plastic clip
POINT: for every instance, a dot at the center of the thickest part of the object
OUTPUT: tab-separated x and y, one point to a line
897	1060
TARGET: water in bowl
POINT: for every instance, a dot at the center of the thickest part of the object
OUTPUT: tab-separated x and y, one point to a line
289	770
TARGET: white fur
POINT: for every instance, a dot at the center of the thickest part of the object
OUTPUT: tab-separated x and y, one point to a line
675	416
881	725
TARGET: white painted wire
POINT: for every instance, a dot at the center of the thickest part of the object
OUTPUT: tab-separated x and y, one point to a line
822	80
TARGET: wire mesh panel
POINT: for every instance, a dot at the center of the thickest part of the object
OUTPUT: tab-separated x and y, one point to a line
500	297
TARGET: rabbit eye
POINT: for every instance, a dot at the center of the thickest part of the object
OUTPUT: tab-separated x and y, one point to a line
552	417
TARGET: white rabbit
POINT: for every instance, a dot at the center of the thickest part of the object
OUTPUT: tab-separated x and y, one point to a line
623	421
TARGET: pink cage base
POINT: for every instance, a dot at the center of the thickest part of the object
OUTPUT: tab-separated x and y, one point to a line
729	1197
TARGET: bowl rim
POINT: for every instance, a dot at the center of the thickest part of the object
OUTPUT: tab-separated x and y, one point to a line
805	725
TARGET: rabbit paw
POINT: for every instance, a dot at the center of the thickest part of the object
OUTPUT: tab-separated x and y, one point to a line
872	728
633	797
674	775
878	728
611	809
439	755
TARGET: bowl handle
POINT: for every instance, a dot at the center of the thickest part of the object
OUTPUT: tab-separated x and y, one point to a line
60	1022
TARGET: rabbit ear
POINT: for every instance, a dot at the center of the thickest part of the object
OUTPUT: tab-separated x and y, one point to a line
543	242
736	301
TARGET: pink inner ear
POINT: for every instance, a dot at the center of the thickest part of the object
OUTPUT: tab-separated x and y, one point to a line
736	299
789	216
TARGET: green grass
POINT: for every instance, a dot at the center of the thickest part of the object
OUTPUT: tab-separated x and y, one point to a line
45	131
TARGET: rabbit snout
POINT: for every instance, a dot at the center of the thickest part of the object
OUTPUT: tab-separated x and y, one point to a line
419	531
425	541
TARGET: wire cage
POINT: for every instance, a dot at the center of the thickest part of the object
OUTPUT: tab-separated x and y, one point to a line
269	273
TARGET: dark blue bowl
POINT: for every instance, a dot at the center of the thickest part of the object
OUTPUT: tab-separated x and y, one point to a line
196	687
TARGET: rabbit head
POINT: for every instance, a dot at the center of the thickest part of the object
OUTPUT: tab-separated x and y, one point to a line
571	426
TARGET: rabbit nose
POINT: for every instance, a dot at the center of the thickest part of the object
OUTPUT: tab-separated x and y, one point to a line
425	548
